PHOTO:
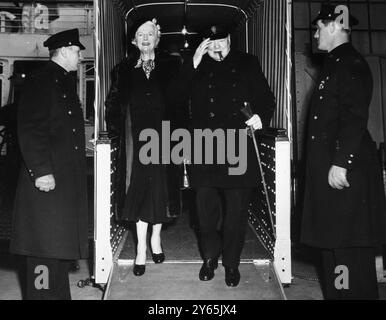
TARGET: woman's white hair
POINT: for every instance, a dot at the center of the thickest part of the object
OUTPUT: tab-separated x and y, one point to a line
156	27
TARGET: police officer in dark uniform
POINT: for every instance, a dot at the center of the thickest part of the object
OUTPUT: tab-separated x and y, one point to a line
218	81
50	213
344	196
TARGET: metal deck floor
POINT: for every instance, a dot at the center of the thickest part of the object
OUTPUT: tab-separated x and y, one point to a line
176	280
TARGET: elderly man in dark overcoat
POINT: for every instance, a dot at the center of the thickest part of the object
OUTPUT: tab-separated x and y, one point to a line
218	80
344	196
50	213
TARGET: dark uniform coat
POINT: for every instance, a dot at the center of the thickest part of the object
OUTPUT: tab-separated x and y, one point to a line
217	91
337	135
51	136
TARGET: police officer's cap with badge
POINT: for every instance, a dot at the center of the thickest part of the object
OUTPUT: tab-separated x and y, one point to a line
64	39
329	12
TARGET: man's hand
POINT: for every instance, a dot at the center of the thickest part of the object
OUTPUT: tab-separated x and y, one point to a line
337	178
255	122
45	183
200	51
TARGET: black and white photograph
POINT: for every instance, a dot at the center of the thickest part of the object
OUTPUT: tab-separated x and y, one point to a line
193	156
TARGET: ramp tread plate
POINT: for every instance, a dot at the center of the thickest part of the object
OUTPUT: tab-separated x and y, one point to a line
179	281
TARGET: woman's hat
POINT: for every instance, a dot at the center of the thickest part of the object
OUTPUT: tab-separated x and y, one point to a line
139	22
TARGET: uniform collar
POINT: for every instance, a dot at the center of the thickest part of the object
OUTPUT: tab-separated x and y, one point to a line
340	50
57	68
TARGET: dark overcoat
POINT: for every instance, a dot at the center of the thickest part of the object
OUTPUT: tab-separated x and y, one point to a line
337	135
217	91
119	118
52	141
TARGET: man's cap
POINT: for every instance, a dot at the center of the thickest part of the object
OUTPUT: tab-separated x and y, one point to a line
64	39
216	32
327	12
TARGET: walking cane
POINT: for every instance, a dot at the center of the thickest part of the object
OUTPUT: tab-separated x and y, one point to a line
246	110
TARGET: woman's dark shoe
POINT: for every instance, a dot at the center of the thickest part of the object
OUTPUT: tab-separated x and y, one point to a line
207	269
232	277
139	269
158	257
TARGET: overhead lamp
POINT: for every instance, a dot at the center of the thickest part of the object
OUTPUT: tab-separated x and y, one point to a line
184	31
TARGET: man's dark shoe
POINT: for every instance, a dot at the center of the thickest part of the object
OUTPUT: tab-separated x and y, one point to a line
207	269
232	277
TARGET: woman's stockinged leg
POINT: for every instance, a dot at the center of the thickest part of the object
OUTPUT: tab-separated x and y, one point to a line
141	246
155	239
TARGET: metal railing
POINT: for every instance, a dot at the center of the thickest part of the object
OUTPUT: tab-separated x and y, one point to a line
35	18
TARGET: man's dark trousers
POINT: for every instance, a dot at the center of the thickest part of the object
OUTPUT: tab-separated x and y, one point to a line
55	287
211	203
361	280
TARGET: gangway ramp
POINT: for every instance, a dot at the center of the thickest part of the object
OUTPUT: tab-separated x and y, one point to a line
177	277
